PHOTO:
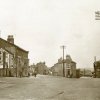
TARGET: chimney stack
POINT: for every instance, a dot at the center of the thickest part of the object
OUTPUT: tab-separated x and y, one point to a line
10	39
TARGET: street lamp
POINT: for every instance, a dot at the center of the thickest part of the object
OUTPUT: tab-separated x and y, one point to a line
63	47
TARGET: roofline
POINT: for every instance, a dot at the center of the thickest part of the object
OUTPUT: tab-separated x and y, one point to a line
14	45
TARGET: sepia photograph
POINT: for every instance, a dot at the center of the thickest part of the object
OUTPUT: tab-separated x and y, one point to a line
49	49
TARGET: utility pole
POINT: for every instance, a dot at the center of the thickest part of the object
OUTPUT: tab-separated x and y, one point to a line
95	66
63	47
97	17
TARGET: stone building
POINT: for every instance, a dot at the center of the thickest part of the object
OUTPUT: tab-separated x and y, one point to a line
97	69
41	68
13	59
68	70
32	69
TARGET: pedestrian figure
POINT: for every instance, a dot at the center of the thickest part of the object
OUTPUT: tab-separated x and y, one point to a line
35	73
9	73
28	74
20	74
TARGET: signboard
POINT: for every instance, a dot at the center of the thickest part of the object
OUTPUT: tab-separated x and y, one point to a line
97	15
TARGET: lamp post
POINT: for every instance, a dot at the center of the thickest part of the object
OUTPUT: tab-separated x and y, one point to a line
63	47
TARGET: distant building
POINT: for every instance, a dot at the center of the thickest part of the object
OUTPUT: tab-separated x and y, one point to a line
69	67
97	69
41	68
32	69
13	59
86	72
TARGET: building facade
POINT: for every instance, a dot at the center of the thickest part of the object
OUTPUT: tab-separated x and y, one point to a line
13	59
41	68
66	68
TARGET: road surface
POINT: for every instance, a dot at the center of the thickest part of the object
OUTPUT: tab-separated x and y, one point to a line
49	88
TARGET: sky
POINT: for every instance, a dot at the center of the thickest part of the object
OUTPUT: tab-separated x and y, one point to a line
43	26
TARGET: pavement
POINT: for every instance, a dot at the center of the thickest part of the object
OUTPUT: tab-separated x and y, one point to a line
45	87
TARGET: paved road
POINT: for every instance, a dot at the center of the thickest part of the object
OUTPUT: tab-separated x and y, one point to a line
49	88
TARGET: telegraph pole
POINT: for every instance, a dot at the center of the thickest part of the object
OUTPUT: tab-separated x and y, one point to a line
95	66
97	17
63	47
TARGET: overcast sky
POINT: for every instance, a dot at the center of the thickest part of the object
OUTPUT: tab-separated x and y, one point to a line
42	26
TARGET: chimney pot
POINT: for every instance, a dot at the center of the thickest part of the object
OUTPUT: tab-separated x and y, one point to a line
10	39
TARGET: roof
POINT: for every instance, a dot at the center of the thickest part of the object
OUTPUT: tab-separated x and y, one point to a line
73	62
14	45
66	61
